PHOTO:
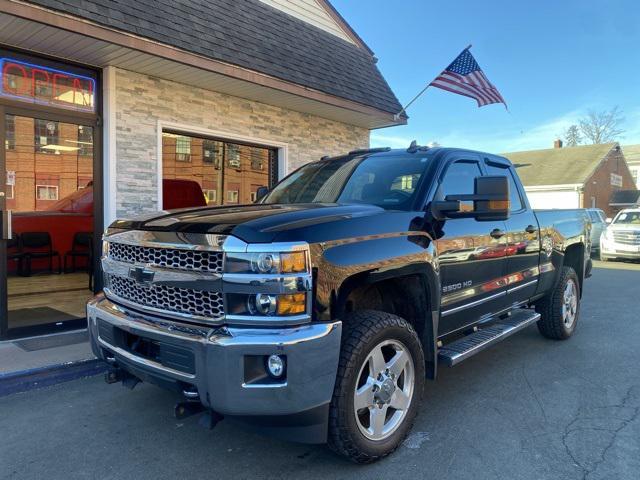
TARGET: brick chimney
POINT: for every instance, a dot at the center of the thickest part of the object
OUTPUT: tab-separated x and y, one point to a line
557	143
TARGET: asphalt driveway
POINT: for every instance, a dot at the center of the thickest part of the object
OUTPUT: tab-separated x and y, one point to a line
529	408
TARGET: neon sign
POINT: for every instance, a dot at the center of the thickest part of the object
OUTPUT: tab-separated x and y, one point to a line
47	86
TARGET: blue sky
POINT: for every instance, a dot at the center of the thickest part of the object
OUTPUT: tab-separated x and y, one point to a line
551	60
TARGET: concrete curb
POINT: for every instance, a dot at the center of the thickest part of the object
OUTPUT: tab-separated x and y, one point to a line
25	380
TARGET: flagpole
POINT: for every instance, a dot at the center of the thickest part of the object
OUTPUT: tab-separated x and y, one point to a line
396	117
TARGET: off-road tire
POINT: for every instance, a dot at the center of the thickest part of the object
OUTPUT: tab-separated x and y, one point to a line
362	331
551	324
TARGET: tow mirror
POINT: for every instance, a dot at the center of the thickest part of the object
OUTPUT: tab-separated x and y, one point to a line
489	201
261	192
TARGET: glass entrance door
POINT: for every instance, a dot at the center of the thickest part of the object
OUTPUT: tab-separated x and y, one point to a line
48	187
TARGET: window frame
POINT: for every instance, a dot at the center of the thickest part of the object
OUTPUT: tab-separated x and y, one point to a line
215	195
237	195
37	146
235	149
85	149
183	156
42	185
10	134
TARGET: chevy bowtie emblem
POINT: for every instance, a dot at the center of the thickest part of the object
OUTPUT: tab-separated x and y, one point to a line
141	275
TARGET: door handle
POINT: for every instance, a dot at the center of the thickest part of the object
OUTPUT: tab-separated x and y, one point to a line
5	225
497	233
531	229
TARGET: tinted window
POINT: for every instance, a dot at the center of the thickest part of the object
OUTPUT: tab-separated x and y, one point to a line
594	216
460	178
385	181
514	195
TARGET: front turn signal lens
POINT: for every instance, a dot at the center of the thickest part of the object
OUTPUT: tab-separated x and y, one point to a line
292	304
295	262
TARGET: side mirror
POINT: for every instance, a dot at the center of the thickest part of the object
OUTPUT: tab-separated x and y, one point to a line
609	220
490	201
261	192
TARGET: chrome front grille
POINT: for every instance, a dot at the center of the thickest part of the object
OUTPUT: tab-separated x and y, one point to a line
187	301
198	260
630	237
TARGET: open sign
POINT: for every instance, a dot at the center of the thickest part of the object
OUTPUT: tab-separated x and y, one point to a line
39	84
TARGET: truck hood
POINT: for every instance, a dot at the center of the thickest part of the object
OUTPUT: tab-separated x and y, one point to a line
268	223
615	227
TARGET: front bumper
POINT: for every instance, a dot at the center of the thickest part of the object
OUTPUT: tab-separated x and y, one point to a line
616	250
219	363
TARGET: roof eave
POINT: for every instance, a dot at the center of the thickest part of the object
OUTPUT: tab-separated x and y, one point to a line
377	118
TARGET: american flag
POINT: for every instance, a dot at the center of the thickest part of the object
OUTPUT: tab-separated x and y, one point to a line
465	77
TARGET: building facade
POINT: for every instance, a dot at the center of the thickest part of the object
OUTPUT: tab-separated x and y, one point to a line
105	107
585	176
632	155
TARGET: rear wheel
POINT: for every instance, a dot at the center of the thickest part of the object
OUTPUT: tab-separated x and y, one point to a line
378	388
561	307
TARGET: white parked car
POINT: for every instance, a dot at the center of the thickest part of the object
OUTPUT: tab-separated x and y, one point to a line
621	238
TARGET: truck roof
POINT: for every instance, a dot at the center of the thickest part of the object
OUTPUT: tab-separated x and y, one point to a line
394	152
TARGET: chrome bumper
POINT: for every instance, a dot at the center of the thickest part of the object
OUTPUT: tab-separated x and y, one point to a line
611	249
223	359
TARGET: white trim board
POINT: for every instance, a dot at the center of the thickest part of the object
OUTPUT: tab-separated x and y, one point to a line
109	144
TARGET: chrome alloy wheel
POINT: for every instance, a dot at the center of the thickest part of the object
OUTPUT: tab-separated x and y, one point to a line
569	303
384	390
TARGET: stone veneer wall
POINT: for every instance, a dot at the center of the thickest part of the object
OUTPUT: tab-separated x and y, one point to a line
142	100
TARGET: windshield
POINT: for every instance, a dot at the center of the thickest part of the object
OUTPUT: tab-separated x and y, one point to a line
386	181
632	218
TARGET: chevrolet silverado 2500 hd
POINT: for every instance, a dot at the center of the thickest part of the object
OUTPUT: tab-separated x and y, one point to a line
318	313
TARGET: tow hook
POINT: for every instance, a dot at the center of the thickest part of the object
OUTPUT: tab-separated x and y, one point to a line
187	409
115	375
210	419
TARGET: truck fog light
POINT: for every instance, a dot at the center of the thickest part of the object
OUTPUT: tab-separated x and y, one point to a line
262	304
275	366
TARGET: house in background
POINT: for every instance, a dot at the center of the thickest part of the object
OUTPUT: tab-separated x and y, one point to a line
632	154
586	176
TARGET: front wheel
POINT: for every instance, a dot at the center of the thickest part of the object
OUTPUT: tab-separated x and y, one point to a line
378	388
559	310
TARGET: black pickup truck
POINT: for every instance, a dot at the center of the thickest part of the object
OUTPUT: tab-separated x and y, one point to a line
318	313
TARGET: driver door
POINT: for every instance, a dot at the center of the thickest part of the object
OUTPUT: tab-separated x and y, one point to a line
472	255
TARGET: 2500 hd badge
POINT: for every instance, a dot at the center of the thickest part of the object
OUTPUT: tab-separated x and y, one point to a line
318	313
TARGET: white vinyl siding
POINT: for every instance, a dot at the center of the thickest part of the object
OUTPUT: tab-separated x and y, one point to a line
311	12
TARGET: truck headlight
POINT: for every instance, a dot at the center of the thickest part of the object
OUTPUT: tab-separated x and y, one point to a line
267	263
267	305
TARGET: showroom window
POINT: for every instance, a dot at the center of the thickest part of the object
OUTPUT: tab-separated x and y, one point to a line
226	172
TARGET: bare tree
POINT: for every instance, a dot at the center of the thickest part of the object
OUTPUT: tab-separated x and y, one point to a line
602	127
572	136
